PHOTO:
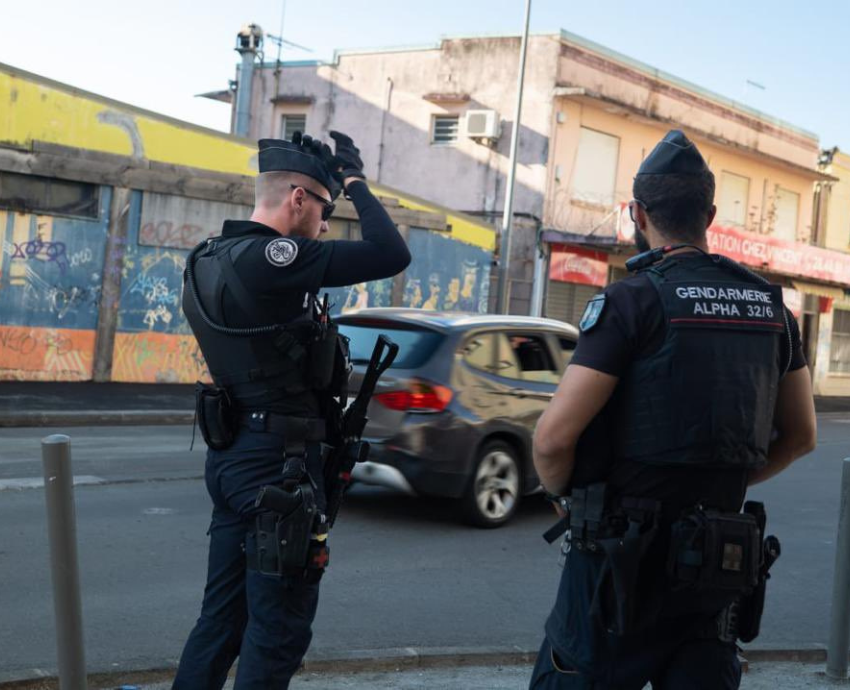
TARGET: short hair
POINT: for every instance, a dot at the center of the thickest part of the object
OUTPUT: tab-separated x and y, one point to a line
271	188
679	206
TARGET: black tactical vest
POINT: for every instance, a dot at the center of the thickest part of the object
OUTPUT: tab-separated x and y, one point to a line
261	364
706	397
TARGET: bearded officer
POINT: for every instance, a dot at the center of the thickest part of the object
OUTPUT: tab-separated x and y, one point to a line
251	300
687	385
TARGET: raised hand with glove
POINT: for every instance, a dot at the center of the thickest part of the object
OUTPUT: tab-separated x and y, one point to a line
348	161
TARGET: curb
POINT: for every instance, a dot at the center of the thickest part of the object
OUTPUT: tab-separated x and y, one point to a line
397	658
96	417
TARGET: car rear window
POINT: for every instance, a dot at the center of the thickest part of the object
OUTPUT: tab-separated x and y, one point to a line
415	345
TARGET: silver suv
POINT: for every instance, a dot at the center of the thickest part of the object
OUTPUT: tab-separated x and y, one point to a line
455	414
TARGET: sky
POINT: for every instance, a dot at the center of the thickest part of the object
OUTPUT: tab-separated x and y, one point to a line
160	53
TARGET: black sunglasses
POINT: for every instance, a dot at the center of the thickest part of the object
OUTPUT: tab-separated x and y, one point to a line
632	206
327	206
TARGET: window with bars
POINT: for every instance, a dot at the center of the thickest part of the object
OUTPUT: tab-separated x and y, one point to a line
289	124
444	130
839	350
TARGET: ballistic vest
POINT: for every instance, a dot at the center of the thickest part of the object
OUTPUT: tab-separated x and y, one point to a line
259	364
706	396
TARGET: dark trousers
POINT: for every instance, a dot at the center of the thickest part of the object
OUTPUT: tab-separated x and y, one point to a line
692	665
672	654
264	620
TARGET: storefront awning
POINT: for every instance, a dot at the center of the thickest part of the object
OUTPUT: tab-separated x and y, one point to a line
819	290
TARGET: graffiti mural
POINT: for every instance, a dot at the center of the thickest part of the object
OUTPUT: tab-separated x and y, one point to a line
181	222
153	341
446	275
50	284
378	293
45	354
157	358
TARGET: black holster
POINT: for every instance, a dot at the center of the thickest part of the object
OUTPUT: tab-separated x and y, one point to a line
751	607
216	416
289	535
618	605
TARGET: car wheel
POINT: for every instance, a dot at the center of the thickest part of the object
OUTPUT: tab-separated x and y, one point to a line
494	490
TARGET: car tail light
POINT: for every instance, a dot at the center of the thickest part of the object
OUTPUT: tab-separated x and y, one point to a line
421	396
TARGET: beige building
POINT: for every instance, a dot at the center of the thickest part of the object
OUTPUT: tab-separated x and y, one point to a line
832	360
434	121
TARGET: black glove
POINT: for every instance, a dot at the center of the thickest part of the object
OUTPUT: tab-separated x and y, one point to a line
315	147
323	152
347	157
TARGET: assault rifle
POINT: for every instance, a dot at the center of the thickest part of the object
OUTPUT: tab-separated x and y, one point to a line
342	458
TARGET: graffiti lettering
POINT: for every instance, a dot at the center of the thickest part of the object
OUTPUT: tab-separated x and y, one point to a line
81	257
155	290
164	233
25	343
16	341
153	316
64	299
43	251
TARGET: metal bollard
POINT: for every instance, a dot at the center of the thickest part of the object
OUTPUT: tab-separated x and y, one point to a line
839	632
64	567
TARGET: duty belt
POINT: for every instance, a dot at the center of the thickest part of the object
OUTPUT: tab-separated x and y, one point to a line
587	519
296	431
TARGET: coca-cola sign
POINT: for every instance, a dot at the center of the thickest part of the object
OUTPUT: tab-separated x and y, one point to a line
572	265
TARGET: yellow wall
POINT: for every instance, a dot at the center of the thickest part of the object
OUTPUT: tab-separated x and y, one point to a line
36	109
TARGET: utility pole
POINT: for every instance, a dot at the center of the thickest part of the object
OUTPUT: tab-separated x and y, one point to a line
505	236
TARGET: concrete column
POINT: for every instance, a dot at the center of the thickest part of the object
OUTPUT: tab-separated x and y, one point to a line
110	296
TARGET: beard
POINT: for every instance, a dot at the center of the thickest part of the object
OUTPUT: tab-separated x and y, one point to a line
640	241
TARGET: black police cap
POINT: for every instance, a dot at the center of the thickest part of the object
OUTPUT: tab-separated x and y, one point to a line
675	154
277	155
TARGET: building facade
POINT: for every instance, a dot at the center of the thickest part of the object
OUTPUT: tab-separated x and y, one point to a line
100	204
832	356
435	121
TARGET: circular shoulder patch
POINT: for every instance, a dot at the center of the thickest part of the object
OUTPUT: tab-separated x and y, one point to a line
281	252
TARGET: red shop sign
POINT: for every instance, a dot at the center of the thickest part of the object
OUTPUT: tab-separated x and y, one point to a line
572	265
780	256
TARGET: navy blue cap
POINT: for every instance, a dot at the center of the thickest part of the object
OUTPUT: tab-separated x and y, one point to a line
675	154
277	155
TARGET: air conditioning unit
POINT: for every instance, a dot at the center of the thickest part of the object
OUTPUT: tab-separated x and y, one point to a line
483	124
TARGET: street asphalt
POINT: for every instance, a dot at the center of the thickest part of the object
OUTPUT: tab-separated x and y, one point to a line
404	573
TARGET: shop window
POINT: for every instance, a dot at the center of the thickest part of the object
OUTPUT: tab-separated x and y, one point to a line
734	194
47	195
839	350
595	176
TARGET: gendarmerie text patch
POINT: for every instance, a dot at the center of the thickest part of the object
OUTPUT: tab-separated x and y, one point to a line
724	305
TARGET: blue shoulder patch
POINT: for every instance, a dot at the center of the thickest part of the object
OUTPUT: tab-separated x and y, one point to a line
592	312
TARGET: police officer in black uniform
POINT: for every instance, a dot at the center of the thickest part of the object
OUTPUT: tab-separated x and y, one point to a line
687	385
250	297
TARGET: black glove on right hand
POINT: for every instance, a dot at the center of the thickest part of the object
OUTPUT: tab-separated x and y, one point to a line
348	156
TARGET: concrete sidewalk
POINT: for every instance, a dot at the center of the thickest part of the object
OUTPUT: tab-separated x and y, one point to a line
24	403
458	668
761	676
